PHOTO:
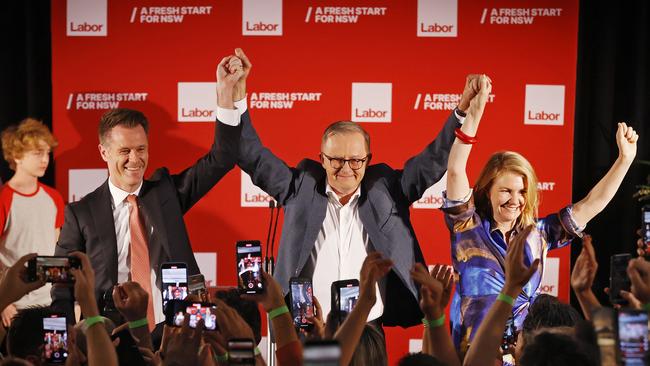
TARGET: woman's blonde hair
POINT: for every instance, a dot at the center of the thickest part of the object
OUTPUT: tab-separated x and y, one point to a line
498	164
16	140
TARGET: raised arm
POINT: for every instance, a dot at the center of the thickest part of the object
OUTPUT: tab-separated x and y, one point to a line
604	190
477	90
582	278
484	350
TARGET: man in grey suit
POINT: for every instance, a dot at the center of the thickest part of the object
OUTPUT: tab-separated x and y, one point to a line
341	207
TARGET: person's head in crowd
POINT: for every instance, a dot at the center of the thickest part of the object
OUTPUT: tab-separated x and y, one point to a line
553	348
246	308
371	349
27	147
546	312
345	154
506	190
25	335
124	146
15	361
80	336
419	359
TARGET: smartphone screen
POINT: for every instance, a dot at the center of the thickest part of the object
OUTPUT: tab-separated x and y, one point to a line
55	339
195	312
618	277
174	281
605	328
348	296
52	269
249	265
322	353
632	336
241	351
302	301
196	286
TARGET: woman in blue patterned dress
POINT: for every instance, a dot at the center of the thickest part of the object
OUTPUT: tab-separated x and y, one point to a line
503	201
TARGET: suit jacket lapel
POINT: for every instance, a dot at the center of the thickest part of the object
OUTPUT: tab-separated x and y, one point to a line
102	214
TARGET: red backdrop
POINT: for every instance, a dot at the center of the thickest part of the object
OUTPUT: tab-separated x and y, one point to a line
413	53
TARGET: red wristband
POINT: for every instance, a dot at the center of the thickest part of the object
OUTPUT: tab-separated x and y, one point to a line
466	139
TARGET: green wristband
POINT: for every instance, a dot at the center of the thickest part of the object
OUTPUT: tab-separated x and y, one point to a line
646	306
434	323
90	321
138	323
507	299
277	312
221	358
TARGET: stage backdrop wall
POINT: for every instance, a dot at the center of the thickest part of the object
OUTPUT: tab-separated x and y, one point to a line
398	67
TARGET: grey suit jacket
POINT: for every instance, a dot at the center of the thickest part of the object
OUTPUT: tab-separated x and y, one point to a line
386	195
163	200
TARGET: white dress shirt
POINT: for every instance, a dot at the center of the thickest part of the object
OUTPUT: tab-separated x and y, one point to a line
121	211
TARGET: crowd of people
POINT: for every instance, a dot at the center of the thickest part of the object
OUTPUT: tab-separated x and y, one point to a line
344	219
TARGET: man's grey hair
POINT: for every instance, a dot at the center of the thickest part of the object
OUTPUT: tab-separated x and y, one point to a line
346	127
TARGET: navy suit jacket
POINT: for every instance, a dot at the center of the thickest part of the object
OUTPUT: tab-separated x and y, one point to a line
386	195
163	200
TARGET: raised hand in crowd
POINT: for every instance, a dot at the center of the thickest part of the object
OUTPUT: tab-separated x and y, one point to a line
639	272
131	300
582	277
182	344
100	348
289	348
435	289
317	331
374	267
14	286
484	350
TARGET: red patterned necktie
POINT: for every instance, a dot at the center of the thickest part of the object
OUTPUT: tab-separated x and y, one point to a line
140	266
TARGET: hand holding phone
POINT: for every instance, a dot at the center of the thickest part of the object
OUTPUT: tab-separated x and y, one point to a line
174	281
177	310
302	302
54	269
345	294
55	339
618	278
249	266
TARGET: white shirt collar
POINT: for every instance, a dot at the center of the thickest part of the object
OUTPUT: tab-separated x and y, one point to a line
118	195
331	194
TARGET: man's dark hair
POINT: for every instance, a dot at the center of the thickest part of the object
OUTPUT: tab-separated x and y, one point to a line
548	312
553	349
25	335
124	117
247	309
419	359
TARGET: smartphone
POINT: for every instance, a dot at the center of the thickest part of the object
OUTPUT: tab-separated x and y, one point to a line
127	350
241	351
632	336
55	339
177	310
302	301
196	286
509	338
645	228
52	269
604	320
345	294
174	281
321	353
618	279
249	265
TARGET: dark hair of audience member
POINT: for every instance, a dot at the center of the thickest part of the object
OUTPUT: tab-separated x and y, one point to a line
247	309
555	349
25	337
419	359
331	324
14	361
548	312
371	349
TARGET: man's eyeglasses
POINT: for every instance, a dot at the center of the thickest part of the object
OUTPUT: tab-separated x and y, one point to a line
355	164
